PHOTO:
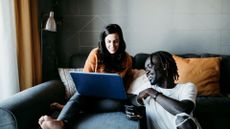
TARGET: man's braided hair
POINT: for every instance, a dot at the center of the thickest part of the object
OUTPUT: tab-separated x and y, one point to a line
167	62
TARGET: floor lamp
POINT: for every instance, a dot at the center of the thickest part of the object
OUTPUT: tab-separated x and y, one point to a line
48	47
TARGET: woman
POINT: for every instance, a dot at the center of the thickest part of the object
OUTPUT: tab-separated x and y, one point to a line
109	57
168	105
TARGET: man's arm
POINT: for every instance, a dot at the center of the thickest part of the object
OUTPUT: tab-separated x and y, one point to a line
171	105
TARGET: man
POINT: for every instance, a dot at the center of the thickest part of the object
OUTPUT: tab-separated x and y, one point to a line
168	105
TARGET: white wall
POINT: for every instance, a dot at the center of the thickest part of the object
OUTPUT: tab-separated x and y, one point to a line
178	26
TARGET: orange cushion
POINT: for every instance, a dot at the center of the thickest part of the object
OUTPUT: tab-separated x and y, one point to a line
203	72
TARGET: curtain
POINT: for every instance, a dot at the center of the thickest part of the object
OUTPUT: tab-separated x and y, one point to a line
28	43
9	82
20	58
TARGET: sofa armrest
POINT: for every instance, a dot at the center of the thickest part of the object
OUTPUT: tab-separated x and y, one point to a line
22	110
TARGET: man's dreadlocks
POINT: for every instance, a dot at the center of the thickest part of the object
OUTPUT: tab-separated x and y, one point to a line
167	62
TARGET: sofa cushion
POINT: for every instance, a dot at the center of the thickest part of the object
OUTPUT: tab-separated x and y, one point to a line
225	74
139	60
203	72
67	80
213	112
224	69
78	60
213	104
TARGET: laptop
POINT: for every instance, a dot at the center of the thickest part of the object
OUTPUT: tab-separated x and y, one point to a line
105	85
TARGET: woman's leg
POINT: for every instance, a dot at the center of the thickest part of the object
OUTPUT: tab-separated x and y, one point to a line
71	108
75	105
103	105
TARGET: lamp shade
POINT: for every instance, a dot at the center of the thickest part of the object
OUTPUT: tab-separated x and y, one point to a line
51	23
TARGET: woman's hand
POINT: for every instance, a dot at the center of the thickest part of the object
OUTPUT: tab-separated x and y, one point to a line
145	93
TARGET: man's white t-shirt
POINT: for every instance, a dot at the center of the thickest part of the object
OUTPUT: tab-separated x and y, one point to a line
157	116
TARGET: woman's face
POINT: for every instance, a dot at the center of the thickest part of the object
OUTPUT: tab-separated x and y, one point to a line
112	42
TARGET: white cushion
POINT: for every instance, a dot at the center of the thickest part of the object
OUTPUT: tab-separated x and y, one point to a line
67	80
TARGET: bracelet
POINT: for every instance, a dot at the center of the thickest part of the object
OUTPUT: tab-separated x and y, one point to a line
155	95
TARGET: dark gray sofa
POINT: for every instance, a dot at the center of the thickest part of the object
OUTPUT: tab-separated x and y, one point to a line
22	110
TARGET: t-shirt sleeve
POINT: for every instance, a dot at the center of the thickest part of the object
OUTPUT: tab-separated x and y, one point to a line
189	92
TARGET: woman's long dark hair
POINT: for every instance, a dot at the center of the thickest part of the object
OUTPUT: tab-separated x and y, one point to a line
112	61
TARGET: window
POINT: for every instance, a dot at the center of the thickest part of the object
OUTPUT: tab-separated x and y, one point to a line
9	82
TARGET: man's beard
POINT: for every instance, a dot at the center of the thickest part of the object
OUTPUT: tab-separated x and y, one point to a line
152	79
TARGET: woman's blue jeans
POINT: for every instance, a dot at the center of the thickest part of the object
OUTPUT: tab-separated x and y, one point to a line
78	103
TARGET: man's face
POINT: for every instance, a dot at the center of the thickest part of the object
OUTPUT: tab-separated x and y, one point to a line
154	70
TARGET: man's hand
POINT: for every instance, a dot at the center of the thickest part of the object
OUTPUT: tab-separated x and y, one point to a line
133	112
145	93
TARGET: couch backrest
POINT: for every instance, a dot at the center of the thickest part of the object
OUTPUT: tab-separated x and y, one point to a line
77	61
139	61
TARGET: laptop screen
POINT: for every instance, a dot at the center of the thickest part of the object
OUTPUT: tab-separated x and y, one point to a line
105	85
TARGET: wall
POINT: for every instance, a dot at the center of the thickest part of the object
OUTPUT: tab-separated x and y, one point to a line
178	26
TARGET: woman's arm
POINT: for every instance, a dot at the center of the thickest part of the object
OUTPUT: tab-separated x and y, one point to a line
127	63
91	61
126	74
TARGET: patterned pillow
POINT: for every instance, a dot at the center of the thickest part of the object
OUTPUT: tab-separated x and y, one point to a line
67	80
